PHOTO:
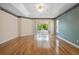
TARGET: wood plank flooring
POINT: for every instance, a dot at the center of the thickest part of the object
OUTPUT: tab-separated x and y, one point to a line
27	45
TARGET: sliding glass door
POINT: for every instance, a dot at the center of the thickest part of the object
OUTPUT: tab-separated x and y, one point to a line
42	34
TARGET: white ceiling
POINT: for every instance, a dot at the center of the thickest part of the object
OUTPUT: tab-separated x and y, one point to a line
51	10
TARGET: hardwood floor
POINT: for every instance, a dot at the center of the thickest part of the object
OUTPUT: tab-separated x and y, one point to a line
29	46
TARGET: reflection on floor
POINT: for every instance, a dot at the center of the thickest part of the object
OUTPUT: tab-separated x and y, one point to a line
42	40
42	45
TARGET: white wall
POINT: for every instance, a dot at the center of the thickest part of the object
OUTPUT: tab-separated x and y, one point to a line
11	26
52	27
26	27
8	26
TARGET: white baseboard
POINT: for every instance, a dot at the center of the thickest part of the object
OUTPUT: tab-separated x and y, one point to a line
67	41
5	40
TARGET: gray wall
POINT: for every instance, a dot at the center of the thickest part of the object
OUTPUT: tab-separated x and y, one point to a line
69	26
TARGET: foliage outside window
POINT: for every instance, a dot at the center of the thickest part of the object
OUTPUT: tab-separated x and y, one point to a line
42	26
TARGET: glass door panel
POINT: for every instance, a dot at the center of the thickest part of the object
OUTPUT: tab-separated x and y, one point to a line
42	35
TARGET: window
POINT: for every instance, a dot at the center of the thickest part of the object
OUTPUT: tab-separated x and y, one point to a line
57	26
42	26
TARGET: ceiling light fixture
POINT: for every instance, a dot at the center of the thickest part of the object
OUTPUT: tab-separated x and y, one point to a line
40	7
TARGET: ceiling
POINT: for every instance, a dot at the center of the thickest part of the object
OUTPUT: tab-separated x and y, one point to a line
51	10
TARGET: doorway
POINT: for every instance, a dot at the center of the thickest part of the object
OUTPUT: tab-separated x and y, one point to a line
42	33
